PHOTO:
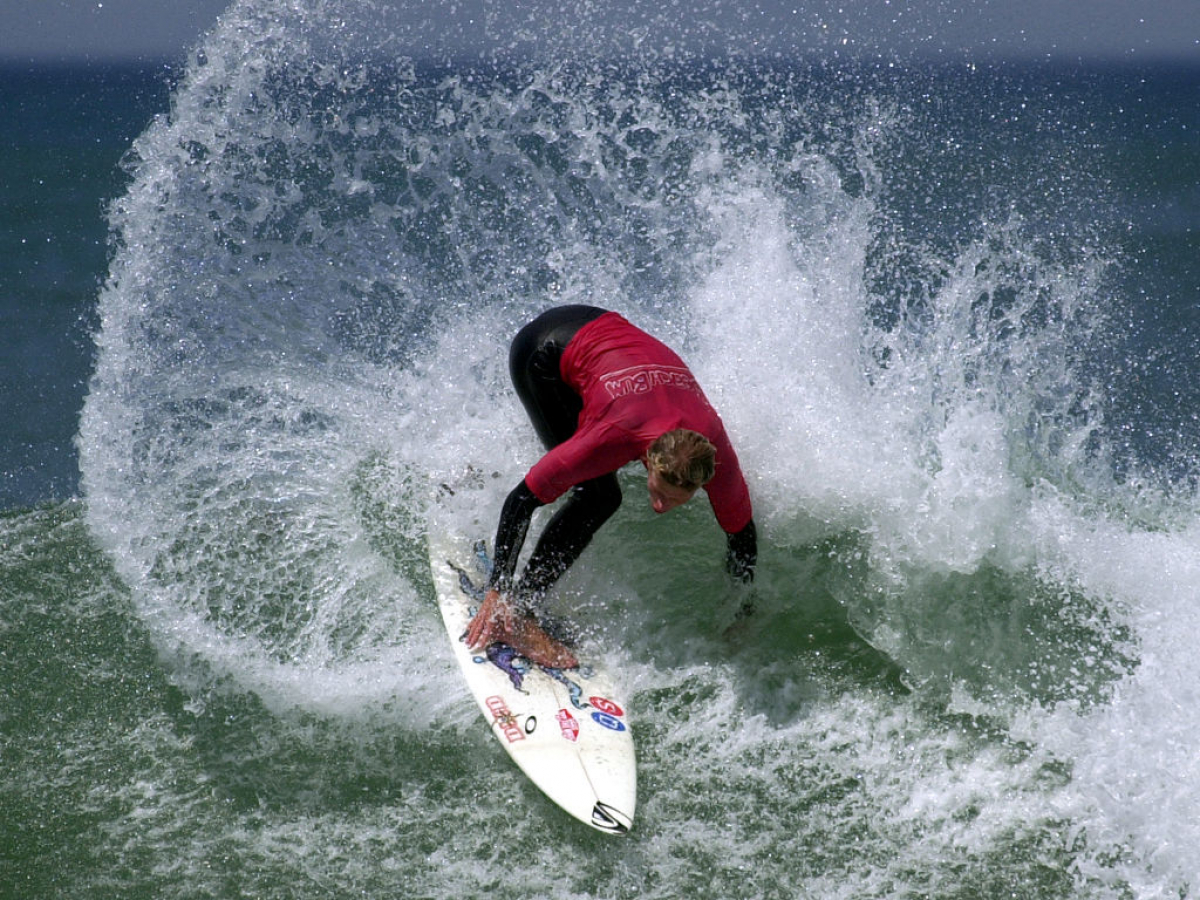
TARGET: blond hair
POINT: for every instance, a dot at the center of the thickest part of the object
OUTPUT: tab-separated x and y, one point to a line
685	459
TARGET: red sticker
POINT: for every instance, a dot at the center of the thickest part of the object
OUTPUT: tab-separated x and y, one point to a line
504	719
606	706
568	725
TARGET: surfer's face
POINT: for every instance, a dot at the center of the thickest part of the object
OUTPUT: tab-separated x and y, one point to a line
665	496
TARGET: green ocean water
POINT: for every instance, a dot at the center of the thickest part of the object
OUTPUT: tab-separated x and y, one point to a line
948	316
755	761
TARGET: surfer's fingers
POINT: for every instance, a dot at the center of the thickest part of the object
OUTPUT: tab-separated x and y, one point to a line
491	617
478	625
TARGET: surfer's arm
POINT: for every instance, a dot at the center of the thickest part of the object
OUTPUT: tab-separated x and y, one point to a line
740	560
510	535
742	553
495	615
497	619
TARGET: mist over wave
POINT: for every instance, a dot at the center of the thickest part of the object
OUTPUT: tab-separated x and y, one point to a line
326	247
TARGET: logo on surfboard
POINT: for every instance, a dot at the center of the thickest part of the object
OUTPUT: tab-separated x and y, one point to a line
567	725
503	718
606	706
607	713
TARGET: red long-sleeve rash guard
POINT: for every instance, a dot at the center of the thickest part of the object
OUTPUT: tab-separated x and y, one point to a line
634	389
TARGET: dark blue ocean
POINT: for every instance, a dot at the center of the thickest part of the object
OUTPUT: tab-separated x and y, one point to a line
255	310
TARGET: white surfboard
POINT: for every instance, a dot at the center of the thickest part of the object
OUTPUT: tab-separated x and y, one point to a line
566	729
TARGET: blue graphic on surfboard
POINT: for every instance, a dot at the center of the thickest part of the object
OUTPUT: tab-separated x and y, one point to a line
565	729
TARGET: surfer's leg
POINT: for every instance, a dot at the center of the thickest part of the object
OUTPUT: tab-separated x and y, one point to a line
589	505
533	361
553	408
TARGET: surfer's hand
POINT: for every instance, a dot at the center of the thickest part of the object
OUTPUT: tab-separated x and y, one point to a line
494	621
745	602
742	554
738	569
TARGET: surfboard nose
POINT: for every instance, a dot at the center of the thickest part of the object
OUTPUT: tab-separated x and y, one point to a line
610	819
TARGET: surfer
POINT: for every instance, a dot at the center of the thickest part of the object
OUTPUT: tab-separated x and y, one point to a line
601	393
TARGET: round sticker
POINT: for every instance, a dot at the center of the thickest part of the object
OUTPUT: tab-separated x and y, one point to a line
607	706
612	722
